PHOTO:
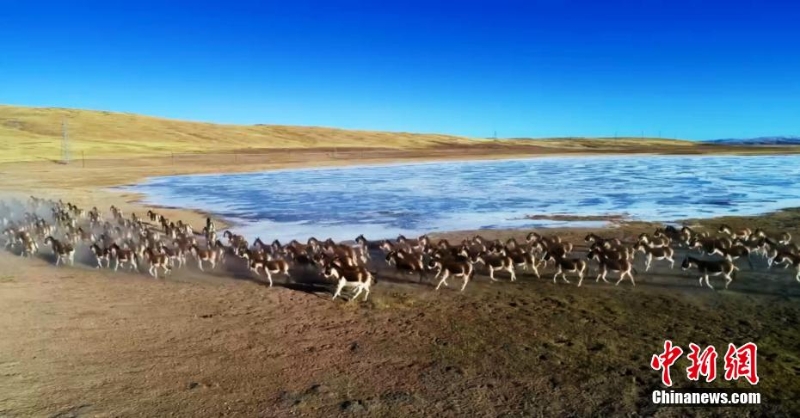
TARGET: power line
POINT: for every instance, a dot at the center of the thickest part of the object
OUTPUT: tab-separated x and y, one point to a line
64	142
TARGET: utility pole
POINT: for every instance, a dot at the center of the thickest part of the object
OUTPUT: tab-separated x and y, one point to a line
64	142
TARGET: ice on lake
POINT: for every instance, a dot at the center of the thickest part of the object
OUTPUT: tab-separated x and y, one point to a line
384	201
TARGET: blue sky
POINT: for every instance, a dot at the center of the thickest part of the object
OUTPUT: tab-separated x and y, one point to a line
688	69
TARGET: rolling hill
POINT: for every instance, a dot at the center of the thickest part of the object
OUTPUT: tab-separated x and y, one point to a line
29	133
34	134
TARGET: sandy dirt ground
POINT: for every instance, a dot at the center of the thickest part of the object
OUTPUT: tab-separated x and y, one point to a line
84	342
77	341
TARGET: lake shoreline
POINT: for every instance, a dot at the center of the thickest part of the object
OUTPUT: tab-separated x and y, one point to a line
89	184
325	185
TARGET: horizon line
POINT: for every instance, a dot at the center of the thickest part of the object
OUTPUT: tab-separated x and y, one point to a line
495	137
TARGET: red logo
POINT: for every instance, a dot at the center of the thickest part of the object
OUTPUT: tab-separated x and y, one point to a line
741	362
666	359
703	364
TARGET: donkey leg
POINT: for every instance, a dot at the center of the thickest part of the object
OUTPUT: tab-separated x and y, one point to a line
339	288
466	280
444	277
708	283
621	276
564	276
358	292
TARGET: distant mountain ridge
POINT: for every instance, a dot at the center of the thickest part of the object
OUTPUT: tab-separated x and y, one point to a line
762	140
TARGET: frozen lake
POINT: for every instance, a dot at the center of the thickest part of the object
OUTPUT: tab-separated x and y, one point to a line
383	201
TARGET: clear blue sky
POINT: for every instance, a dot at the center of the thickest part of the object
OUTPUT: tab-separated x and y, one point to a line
691	69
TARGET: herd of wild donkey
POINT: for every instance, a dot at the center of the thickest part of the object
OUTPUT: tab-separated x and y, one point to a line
163	244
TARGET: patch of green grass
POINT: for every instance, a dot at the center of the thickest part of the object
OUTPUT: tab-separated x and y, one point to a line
7	279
